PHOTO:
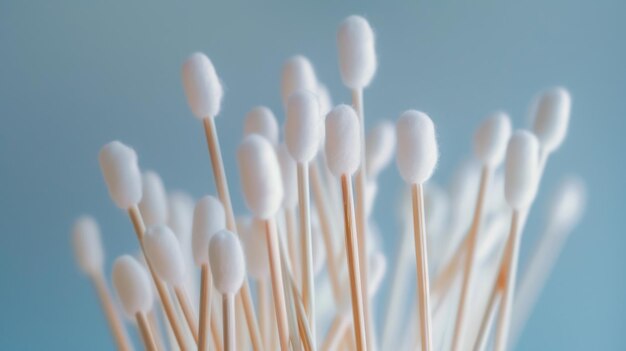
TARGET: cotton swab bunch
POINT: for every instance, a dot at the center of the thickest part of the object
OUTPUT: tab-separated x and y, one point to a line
460	233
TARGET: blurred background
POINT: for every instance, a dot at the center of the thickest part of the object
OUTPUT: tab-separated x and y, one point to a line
77	74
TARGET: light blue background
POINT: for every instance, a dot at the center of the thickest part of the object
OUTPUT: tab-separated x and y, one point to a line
77	74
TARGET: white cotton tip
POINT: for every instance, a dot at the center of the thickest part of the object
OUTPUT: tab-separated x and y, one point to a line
208	218
491	138
551	117
298	75
568	204
379	147
87	245
260	120
289	173
255	247
371	190
343	147
133	285
378	268
260	177
302	126
120	168
202	86
153	204
165	254
521	169
357	54
180	216
317	248
417	147
228	264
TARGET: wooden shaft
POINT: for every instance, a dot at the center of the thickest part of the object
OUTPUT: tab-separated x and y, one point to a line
228	321
352	256
215	331
323	206
205	307
277	284
168	307
292	241
146	333
308	286
288	291
112	315
264	316
361	220
481	340
468	268
504	315
221	184
157	333
338	328
421	258
188	313
306	335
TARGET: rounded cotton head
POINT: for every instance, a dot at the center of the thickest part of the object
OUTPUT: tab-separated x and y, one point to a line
302	126
379	147
87	245
326	104
208	218
491	138
254	243
357	53
343	146
417	147
228	264
298	75
132	284
260	120
153	204
551	117
521	169
180	215
260	177
202	86
567	204
120	169
289	175
164	253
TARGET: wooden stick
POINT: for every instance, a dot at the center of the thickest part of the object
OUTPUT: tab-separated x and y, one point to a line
115	322
289	288
228	320
146	333
188	313
352	255
308	282
292	241
423	292
264	315
138	225
278	287
156	330
468	268
488	317
340	325
306	335
323	205
205	306
217	164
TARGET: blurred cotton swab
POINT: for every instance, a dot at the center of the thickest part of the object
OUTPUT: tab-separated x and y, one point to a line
417	157
121	174
357	65
132	284
229	269
204	95
490	143
302	139
263	193
90	258
153	204
208	219
289	173
343	153
260	120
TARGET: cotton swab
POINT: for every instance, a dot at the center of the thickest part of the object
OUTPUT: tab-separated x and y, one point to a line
163	250
564	212
357	66
416	158
90	259
343	153
263	193
123	178
180	219
490	143
204	94
132	284
289	174
260	120
302	139
208	219
297	74
551	113
229	269
153	204
520	187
